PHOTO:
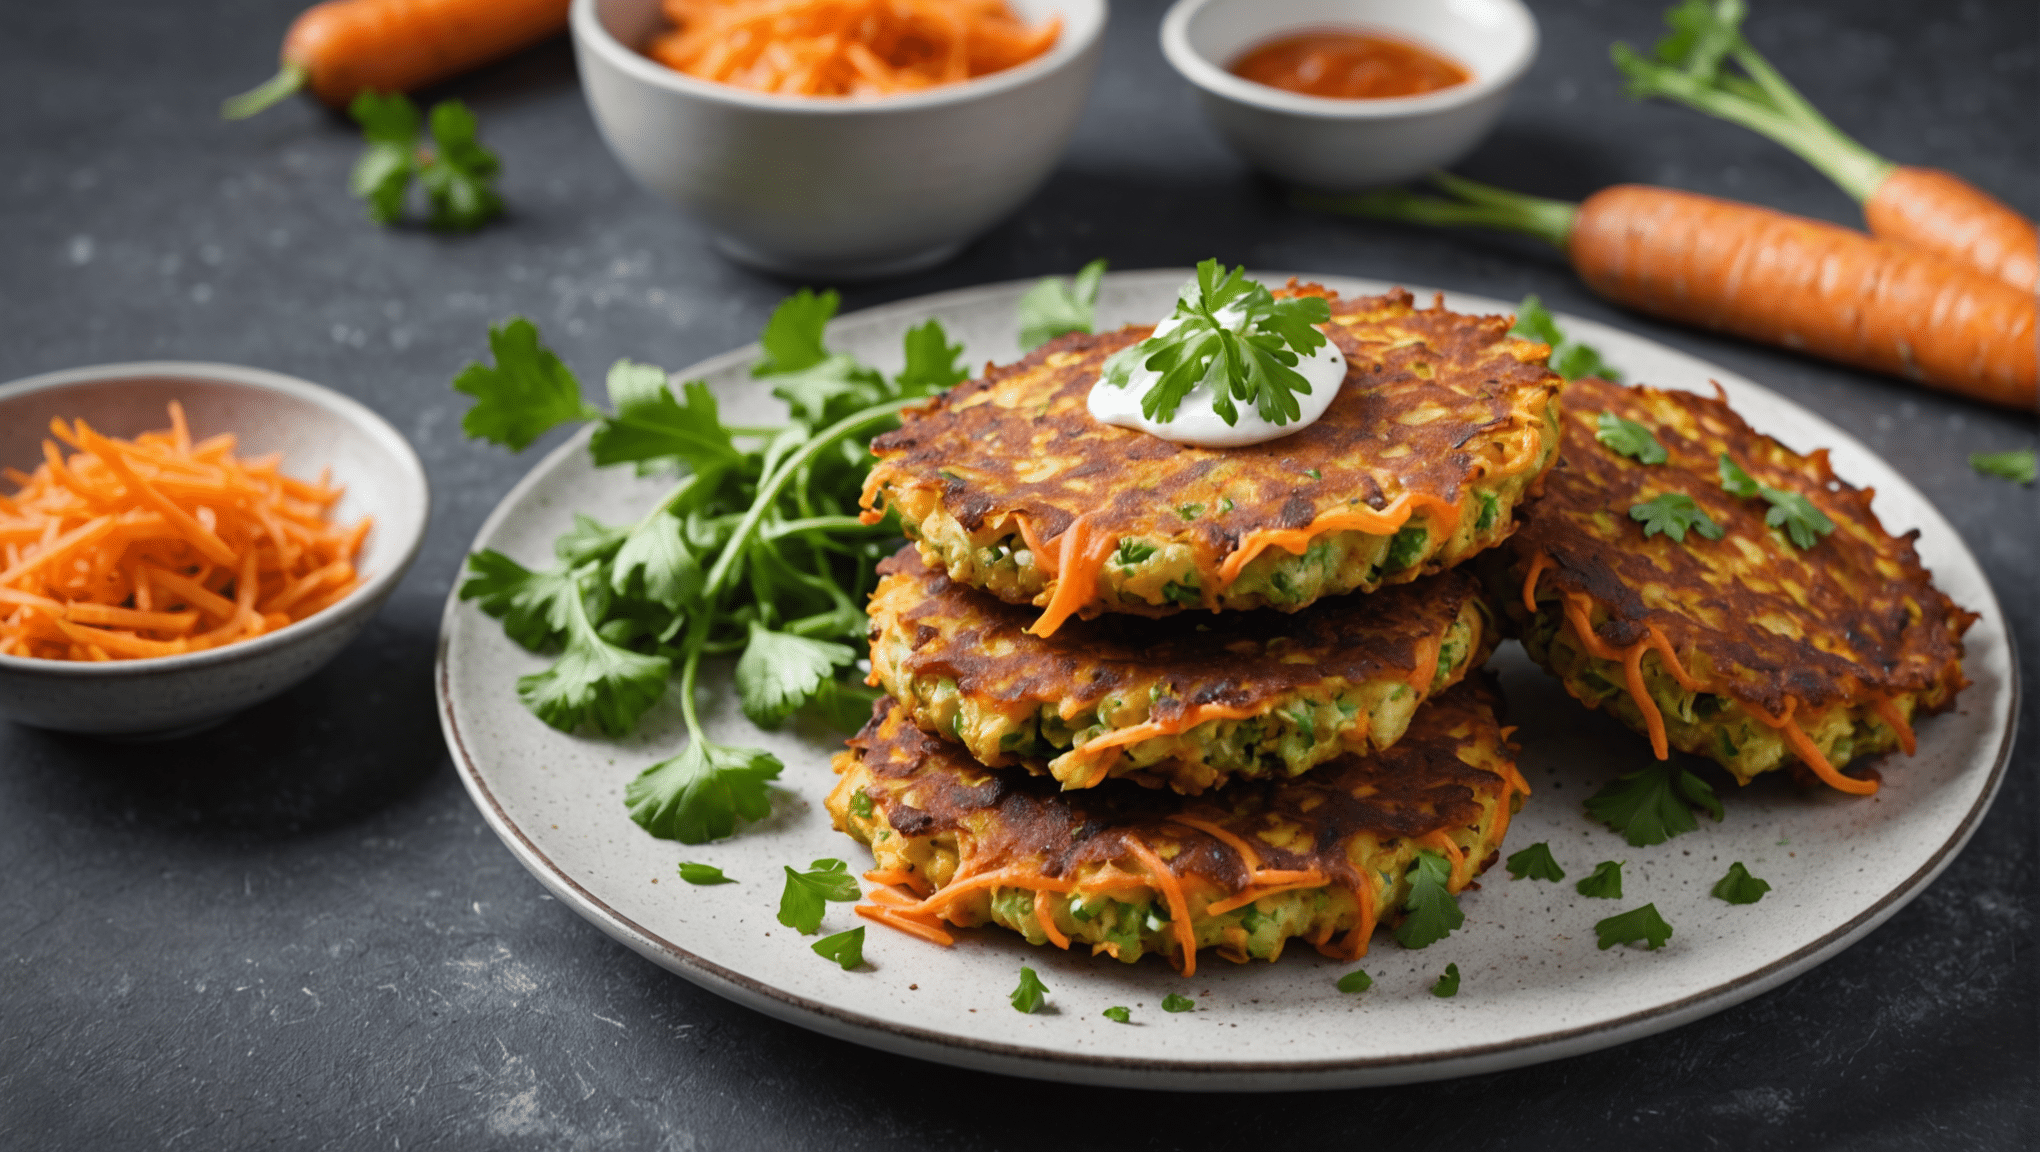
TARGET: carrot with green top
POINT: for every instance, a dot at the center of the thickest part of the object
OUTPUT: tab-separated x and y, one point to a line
1802	284
1927	208
342	48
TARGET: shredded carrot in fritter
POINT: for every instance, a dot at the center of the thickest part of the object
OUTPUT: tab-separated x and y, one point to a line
846	47
128	549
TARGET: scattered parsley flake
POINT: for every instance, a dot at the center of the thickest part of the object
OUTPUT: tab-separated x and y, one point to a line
1132	552
1604	884
806	895
1433	913
1054	307
1118	1013
1636	926
1249	355
698	795
1739	887
860	804
1654	803
2016	465
1404	548
703	874
845	948
1448	984
1672	514
1355	981
1313	473
1629	438
1174	1003
1031	993
1536	863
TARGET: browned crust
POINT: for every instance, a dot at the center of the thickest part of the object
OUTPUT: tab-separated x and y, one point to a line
1232	659
927	786
1854	614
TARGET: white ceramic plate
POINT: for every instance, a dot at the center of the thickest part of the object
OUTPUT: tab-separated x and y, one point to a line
1534	986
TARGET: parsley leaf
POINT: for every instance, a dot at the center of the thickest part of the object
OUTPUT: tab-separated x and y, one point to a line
845	707
792	339
806	894
698	795
526	394
654	562
1054	307
460	177
1636	926
1651	805
1629	438
1433	913
703	873
1604	884
1803	522
650	424
1448	984
1233	338
931	362
1536	863
533	606
1175	1003
780	670
1739	887
1118	1013
1672	513
2016	465
1569	359
594	680
382	176
845	948
1355	981
1028	997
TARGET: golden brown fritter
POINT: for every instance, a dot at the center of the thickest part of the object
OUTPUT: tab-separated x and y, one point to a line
1745	648
1130	870
1441	426
1186	703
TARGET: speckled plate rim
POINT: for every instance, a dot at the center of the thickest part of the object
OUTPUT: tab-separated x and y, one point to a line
1201	1075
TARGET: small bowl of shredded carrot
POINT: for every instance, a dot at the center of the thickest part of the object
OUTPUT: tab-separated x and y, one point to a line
179	541
839	138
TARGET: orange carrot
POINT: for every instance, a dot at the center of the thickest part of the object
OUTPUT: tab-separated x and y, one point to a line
846	47
131	549
1801	284
1923	208
342	48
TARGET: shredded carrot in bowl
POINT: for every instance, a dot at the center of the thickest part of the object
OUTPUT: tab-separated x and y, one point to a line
156	546
846	47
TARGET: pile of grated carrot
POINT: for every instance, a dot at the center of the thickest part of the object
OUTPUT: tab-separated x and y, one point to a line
156	546
846	47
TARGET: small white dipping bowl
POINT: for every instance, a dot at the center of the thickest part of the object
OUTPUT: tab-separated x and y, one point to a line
836	188
1346	145
314	428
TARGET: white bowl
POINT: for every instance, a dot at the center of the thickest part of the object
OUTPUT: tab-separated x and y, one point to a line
314	428
836	188
1346	145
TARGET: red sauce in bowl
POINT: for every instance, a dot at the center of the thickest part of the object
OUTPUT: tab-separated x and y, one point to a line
1348	64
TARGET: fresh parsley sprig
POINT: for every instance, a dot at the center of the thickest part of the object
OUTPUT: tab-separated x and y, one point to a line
755	551
1055	307
1803	522
1628	438
1432	911
1232	336
807	894
1674	514
458	174
1569	358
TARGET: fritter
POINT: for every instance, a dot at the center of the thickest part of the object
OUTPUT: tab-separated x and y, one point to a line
1245	695
1441	426
1745	648
1129	871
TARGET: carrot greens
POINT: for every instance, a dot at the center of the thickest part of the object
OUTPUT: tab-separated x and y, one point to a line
755	550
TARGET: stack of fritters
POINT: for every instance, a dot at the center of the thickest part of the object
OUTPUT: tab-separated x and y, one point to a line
1742	644
1074	746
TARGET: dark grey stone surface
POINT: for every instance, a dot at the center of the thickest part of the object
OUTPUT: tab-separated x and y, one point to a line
295	931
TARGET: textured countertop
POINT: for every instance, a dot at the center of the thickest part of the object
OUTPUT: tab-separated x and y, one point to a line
296	931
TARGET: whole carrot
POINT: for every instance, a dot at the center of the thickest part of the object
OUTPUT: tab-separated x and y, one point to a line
1802	284
342	48
1929	209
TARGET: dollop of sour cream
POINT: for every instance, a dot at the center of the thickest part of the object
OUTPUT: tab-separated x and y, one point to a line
1196	423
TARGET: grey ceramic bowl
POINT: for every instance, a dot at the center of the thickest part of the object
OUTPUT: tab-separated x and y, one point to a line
314	428
1346	145
836	188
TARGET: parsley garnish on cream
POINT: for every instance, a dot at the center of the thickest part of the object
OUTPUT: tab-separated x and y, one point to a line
1232	366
